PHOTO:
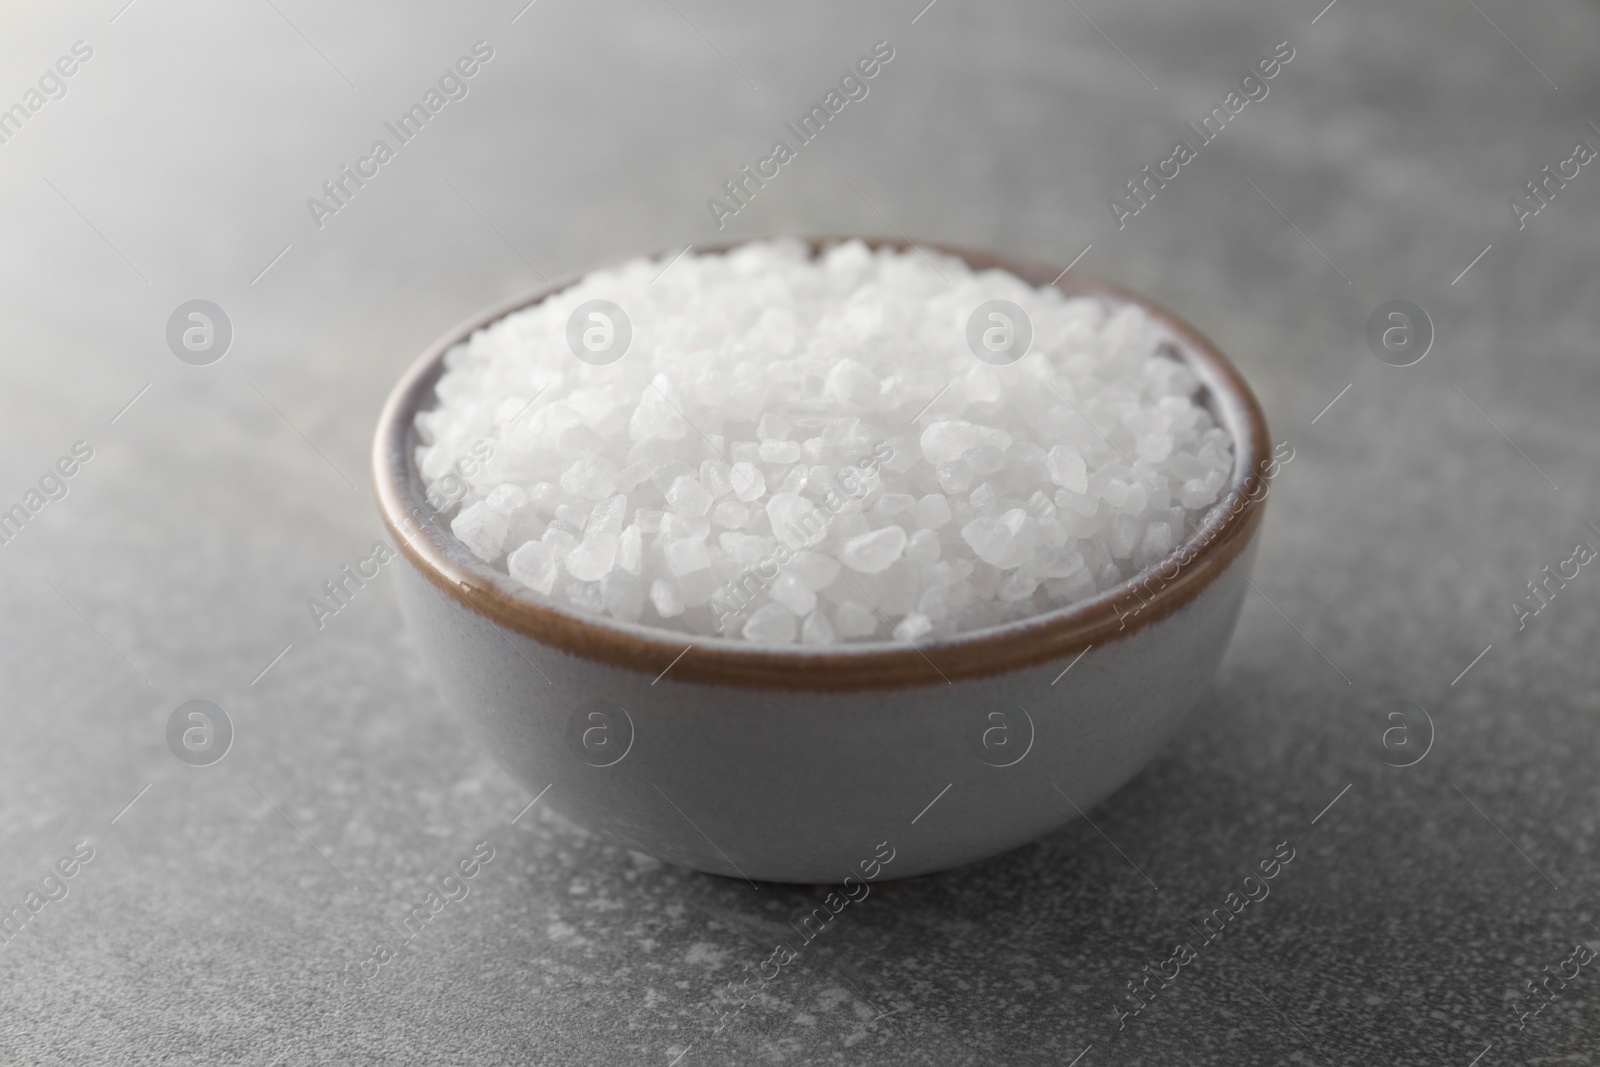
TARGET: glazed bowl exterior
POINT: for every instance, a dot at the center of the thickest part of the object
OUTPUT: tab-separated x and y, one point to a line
810	765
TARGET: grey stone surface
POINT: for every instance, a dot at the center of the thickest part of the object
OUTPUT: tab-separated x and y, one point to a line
218	913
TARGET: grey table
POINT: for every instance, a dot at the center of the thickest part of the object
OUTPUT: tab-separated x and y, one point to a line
222	904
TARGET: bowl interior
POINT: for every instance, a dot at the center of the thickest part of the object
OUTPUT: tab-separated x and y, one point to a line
424	537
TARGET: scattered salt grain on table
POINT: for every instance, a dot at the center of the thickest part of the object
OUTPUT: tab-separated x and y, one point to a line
797	449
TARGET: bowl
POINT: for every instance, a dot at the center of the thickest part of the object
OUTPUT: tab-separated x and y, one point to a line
874	760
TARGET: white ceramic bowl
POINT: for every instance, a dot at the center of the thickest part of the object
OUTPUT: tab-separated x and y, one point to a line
803	765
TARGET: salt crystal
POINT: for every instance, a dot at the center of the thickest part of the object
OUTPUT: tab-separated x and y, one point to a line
813	569
854	619
747	481
946	442
745	549
931	512
714	475
780	451
1053	561
730	515
796	521
1154	447
623	596
770	624
1019	585
668	602
573	516
1160	535
954	477
534	565
675	526
546	495
1067	468
892	504
686	554
897	588
576	441
913	626
792	593
1003	542
1125	533
697	587
688	497
849	524
795	480
923	546
630	550
1196	493
593	557
585	596
772	426
482	529
606	517
560	539
984	459
1077	586
850	385
507	498
817	630
657	416
872	552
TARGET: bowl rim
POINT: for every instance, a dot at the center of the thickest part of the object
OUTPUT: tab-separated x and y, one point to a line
426	541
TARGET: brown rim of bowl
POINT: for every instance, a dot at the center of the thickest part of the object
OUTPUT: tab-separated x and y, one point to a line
1222	535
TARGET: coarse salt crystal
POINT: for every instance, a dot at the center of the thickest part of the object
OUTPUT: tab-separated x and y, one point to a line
482	529
686	554
855	619
771	624
665	597
872	552
817	630
534	565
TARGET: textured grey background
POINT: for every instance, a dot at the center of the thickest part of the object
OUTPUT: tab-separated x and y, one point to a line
209	930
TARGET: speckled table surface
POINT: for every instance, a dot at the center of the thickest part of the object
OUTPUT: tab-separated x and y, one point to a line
220	908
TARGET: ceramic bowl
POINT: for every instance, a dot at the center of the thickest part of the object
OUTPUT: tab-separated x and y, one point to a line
809	765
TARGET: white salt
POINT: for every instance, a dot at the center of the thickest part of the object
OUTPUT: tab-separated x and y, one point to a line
534	565
591	478
872	552
855	619
798	448
482	529
771	624
666	599
817	630
748	482
1067	468
793	594
923	546
814	570
931	512
913	626
688	497
686	554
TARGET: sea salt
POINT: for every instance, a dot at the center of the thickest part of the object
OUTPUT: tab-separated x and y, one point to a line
798	449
